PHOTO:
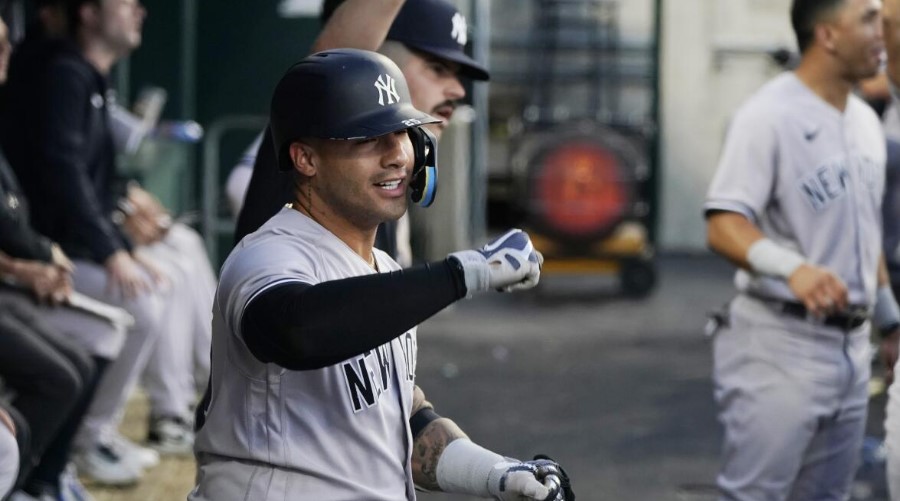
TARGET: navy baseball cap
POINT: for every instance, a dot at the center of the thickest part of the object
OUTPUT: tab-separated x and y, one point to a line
437	28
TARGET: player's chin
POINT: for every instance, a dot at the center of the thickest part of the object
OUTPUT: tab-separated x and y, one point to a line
392	209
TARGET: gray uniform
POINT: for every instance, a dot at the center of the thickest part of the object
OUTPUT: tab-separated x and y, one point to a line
792	393
337	433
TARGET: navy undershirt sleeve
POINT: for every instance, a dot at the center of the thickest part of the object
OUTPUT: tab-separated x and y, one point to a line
302	327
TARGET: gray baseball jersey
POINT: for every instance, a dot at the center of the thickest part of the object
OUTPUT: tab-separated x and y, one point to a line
792	394
337	433
811	178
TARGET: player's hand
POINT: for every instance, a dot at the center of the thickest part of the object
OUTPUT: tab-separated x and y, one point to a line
125	275
541	479
820	290
142	230
49	284
507	263
888	352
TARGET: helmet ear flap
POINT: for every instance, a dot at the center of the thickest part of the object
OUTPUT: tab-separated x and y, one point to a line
425	173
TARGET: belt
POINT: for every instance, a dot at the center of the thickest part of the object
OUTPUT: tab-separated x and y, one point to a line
853	317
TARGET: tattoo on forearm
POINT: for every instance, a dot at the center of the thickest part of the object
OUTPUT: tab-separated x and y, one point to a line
428	448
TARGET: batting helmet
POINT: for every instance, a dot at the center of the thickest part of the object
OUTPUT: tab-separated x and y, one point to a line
351	94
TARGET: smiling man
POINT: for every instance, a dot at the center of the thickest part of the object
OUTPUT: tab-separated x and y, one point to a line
313	392
796	205
426	40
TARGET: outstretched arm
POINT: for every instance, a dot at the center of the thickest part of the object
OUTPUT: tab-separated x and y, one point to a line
358	24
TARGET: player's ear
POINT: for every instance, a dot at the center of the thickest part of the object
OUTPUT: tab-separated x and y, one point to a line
825	36
304	159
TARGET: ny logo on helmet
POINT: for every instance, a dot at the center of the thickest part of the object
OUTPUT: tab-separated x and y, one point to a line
387	86
460	31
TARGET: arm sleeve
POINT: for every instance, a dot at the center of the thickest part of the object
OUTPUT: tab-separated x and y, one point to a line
301	327
66	173
745	176
19	240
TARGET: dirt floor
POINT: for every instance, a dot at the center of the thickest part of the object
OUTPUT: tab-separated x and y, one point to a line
618	390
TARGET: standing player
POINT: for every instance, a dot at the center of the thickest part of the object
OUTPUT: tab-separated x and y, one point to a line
426	40
314	330
796	204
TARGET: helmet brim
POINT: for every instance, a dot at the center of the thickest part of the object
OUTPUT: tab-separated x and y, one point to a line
381	122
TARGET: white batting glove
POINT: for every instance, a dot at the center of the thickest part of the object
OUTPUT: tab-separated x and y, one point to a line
507	263
467	468
518	481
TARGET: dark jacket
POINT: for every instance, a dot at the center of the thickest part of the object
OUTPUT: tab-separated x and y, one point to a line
57	138
17	238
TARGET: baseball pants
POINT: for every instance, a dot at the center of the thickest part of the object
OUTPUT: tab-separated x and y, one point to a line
792	398
180	361
122	374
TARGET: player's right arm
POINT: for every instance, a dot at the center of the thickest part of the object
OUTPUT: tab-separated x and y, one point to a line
736	238
741	192
302	325
358	24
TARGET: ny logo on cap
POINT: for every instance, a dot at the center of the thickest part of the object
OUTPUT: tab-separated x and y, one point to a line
387	86
460	31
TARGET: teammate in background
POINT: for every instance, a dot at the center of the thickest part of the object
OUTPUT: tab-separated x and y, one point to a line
179	363
312	321
796	204
56	135
426	40
889	345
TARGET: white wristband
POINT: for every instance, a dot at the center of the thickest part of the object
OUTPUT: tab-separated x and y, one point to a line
768	258
887	313
464	467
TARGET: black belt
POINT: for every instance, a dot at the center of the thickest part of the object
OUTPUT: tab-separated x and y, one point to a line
853	317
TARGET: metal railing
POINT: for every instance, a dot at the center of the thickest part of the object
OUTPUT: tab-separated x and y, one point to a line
214	224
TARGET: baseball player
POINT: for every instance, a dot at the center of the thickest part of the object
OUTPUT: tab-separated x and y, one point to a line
314	330
796	204
426	39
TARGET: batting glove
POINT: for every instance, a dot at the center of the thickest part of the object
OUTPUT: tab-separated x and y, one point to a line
507	263
465	467
518	481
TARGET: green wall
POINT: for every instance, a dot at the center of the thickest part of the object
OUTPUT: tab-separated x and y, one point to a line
216	58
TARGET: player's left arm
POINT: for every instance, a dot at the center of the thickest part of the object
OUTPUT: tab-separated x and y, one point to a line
886	318
445	459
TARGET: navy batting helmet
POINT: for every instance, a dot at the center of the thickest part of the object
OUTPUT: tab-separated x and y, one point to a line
351	94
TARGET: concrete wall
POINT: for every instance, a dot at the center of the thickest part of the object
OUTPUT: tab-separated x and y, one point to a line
712	59
713	55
